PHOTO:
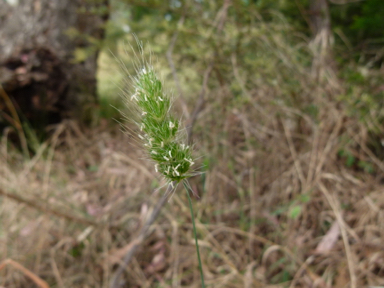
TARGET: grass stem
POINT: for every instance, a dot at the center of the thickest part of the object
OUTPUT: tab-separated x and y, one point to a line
195	234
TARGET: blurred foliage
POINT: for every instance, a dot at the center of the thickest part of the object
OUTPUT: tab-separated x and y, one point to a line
254	32
360	26
255	37
253	44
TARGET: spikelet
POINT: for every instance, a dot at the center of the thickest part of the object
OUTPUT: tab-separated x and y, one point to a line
159	131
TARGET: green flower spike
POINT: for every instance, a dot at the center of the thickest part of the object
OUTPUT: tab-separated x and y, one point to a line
160	133
159	130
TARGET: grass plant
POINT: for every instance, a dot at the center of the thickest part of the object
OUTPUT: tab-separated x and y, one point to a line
160	132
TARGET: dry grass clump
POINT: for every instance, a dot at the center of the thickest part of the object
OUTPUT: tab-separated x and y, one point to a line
281	205
281	202
71	200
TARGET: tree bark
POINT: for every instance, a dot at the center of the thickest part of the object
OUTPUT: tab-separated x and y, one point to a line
38	70
320	18
322	41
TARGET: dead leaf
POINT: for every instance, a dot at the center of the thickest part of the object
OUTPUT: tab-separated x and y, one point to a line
29	228
115	256
143	211
94	209
329	240
158	263
342	278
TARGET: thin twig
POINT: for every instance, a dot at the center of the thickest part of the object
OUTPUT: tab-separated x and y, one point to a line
200	101
172	65
220	20
140	238
36	279
295	158
44	209
335	207
16	121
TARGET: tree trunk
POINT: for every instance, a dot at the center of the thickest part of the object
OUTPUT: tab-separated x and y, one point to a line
321	44
38	70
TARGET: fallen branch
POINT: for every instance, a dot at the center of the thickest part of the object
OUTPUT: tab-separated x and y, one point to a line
36	279
48	210
135	244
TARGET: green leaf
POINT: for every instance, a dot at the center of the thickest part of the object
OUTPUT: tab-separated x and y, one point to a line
368	167
295	212
80	54
279	211
93	168
350	160
305	198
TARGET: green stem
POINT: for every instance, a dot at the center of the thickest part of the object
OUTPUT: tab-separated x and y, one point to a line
195	234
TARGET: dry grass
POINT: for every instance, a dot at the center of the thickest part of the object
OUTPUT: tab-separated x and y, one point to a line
278	206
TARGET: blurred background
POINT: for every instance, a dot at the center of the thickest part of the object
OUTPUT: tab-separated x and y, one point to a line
283	99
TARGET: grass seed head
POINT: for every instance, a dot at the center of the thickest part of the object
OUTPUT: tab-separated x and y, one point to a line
160	132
